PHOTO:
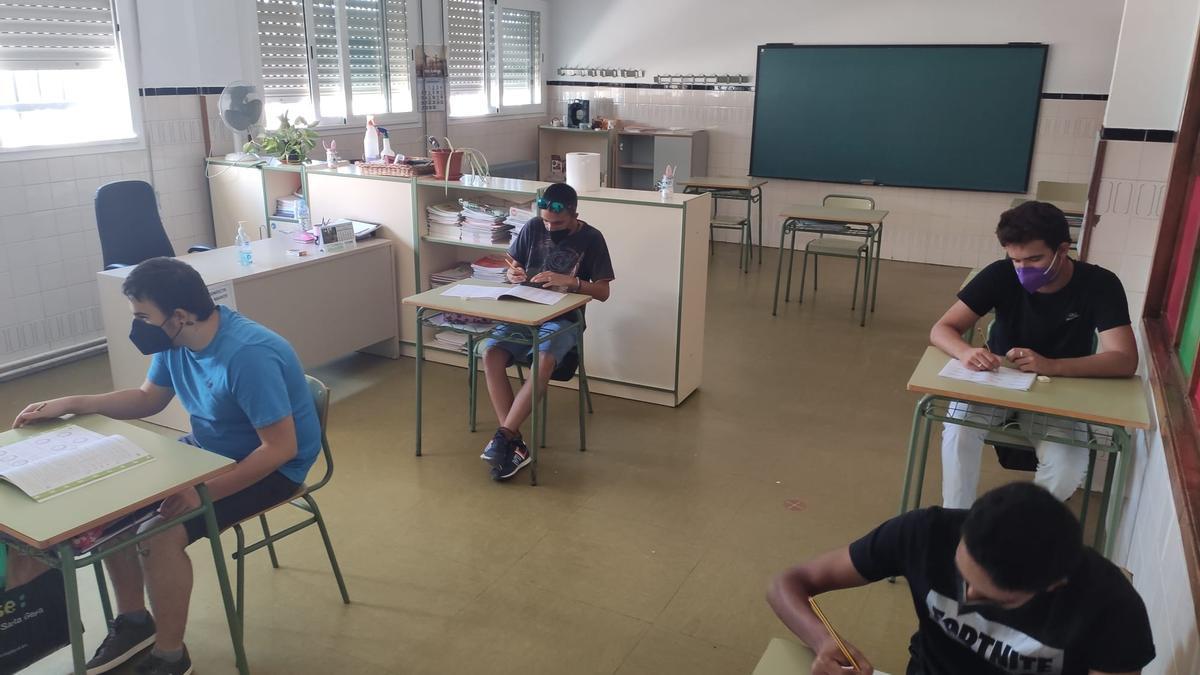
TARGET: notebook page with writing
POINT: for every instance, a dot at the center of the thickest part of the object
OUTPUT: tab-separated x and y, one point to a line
66	459
1008	378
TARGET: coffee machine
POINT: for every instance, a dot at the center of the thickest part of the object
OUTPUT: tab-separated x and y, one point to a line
579	114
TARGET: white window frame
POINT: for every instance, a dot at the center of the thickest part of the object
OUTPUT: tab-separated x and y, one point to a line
492	42
128	49
391	119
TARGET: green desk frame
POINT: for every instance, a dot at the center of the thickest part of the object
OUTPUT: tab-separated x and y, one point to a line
750	195
872	233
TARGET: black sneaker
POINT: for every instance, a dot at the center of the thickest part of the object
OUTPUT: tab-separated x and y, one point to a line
496	449
156	665
516	459
126	639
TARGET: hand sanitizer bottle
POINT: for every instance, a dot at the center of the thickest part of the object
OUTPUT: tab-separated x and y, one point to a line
245	255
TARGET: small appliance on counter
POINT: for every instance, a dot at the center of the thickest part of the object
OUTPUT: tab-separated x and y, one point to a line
579	114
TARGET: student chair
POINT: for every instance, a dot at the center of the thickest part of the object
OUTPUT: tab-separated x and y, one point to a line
302	500
571	364
857	248
130	228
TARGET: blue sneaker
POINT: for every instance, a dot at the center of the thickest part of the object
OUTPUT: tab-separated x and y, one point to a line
496	449
514	461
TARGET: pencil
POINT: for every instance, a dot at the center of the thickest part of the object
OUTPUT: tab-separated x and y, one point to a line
833	633
511	262
39	408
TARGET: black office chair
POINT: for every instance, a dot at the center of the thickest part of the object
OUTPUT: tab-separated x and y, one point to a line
130	228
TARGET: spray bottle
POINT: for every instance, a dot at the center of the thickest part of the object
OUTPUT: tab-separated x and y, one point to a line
371	141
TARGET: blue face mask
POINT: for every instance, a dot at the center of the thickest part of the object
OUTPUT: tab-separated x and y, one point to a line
149	338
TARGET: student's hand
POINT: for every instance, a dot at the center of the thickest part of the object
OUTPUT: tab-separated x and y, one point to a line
1030	361
830	661
180	503
554	279
515	275
42	411
979	358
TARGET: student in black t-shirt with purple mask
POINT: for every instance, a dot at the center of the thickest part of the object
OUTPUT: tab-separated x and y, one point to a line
1007	588
1049	309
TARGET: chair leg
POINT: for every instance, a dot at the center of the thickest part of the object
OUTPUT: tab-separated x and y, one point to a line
712	233
472	383
337	571
102	586
262	518
545	406
857	269
585	398
803	277
816	270
240	556
520	374
1087	488
787	292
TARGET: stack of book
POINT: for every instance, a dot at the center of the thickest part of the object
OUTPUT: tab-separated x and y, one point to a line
287	207
518	216
443	221
452	340
489	268
459	272
483	223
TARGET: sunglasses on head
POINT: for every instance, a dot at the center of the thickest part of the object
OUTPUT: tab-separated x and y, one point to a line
553	207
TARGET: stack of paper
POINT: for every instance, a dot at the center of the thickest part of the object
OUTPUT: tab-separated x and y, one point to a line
459	272
489	268
481	225
518	216
443	221
448	339
462	322
286	207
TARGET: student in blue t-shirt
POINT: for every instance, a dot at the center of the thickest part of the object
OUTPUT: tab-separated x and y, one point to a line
245	391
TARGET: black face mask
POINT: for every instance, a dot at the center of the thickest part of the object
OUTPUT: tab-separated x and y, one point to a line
150	339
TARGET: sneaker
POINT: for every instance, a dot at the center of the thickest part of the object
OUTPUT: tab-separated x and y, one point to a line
155	665
516	459
496	449
125	640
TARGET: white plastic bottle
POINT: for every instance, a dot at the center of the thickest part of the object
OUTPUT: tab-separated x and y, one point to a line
245	255
371	141
387	154
302	214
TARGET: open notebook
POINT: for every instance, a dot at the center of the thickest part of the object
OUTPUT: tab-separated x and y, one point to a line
65	459
530	293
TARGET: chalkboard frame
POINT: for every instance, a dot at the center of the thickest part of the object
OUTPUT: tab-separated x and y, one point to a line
1032	141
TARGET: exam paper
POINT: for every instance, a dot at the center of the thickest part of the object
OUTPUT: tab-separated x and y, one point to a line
1008	378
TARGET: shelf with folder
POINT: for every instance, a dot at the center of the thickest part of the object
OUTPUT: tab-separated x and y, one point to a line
499	246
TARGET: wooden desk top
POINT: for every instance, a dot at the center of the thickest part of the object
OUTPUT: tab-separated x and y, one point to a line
504	311
44	525
1118	401
834	215
724	182
270	257
785	657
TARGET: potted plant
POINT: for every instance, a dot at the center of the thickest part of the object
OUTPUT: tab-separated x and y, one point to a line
290	142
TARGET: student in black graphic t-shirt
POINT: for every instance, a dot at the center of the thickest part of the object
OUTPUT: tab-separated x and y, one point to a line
558	251
1005	589
1049	309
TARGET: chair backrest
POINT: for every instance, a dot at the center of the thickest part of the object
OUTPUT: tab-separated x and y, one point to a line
320	397
130	228
848	202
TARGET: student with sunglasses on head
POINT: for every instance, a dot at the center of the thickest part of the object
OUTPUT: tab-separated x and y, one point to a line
558	251
1006	588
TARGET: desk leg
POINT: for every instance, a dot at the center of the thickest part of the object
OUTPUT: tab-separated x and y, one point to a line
1112	518
66	560
912	454
779	269
534	417
866	286
760	222
749	238
419	346
231	616
878	253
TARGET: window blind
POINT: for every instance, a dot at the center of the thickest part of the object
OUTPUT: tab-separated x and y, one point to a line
326	56
284	49
56	34
465	52
396	36
365	46
520	54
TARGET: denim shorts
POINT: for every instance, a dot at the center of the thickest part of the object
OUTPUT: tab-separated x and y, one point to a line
558	346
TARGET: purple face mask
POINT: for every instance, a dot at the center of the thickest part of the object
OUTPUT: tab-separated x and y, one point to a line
1034	278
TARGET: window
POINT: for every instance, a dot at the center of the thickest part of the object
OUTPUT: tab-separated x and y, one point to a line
60	66
353	53
494	57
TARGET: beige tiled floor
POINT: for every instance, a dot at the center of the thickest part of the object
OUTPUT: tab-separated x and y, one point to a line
649	554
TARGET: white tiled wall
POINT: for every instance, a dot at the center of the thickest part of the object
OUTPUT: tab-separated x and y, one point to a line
1133	186
945	227
1150	546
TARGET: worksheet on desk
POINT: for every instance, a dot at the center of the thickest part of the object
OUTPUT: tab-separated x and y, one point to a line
1007	378
538	295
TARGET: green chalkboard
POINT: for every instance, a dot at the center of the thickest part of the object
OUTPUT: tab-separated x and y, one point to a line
938	116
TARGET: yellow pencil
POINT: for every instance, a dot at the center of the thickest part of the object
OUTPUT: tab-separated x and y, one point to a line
829	627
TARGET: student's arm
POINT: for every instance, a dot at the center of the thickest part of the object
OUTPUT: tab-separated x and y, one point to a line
788	595
1117	357
947	334
126	404
278	445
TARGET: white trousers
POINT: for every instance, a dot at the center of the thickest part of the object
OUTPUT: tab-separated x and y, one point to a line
1061	468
